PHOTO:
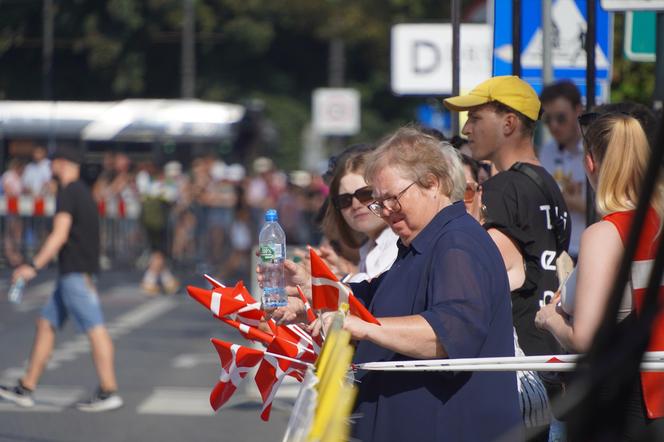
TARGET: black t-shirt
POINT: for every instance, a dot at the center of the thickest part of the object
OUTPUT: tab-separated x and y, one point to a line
81	251
518	208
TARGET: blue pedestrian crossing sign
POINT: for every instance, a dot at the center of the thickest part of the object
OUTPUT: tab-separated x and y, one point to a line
568	53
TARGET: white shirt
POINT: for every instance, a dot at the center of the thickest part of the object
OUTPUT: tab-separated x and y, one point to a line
567	166
36	175
376	256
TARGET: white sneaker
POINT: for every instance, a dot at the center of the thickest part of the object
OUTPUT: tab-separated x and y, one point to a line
101	401
17	394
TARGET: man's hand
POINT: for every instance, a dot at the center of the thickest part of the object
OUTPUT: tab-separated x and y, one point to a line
24	271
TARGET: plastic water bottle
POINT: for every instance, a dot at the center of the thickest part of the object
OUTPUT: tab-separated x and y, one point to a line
16	291
272	251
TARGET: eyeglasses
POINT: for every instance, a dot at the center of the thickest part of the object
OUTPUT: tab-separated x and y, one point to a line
345	200
471	189
391	203
558	118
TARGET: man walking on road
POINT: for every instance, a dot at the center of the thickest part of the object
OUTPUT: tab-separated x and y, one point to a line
75	239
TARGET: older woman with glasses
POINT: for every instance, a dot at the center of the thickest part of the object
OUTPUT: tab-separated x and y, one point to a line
444	296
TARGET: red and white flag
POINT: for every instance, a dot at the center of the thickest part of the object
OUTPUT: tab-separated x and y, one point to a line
273	370
249	332
328	293
218	301
236	362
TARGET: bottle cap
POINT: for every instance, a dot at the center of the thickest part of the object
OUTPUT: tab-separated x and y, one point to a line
271	215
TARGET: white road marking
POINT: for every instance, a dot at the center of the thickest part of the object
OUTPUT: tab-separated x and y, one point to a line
71	350
190	360
178	401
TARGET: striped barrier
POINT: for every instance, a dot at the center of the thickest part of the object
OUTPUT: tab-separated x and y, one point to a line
111	208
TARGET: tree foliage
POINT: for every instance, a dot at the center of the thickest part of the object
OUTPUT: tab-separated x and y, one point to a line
273	50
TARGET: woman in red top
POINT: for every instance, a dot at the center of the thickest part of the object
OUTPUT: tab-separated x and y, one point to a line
616	158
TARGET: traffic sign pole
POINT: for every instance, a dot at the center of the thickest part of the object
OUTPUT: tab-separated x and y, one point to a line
456	59
658	98
516	38
590	92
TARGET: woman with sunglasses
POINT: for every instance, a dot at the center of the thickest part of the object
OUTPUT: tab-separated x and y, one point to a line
616	157
348	220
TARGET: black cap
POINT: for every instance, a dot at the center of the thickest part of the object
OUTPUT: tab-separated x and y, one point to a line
67	153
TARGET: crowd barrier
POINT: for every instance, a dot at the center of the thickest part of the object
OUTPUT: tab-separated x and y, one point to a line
25	221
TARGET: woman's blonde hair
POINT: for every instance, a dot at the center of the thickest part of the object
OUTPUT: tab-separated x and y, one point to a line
420	156
618	144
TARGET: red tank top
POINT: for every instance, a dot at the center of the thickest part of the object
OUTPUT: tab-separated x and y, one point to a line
651	382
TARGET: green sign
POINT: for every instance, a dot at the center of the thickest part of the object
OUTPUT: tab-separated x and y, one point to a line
640	35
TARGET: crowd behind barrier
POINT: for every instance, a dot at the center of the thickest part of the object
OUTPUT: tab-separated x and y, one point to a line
207	216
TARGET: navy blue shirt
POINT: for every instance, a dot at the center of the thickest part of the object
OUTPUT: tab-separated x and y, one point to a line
452	275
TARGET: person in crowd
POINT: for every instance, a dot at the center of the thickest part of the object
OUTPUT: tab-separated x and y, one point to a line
532	393
526	214
562	156
526	219
37	174
220	199
75	241
616	158
12	187
157	195
184	222
472	196
260	192
349	220
444	296
291	204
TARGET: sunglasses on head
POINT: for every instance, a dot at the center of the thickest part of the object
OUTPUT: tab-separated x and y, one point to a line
364	195
558	118
588	118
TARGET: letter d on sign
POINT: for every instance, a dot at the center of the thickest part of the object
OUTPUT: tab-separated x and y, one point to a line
426	57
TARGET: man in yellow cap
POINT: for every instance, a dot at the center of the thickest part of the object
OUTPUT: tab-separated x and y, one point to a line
525	212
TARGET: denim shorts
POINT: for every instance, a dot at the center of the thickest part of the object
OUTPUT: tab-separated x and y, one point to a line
75	294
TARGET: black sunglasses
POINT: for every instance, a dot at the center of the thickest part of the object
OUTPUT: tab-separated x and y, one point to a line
345	200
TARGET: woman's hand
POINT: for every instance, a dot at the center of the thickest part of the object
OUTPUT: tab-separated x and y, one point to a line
293	313
548	313
294	275
358	329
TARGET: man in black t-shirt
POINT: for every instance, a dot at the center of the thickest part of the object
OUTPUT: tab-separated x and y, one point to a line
75	239
525	212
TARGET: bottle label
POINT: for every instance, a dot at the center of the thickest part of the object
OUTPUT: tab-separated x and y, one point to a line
270	252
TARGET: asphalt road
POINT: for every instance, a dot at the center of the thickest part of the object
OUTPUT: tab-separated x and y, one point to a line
165	364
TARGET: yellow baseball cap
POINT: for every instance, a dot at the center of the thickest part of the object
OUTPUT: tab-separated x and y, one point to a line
508	89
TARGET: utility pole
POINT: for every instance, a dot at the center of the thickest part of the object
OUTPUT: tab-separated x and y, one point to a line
516	38
48	17
658	98
336	63
188	61
456	59
547	39
590	91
